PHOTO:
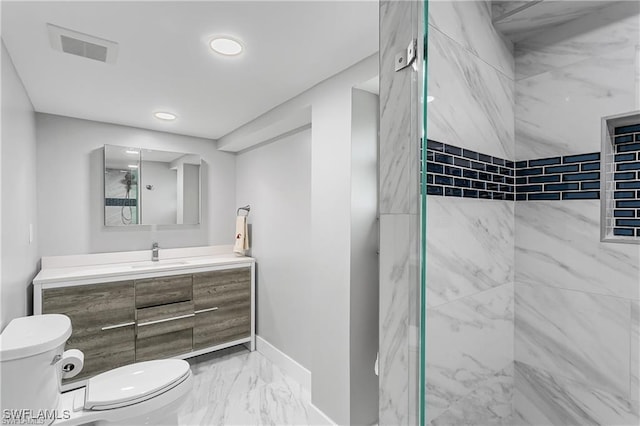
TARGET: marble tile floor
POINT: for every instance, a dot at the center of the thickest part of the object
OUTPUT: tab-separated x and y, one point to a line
238	387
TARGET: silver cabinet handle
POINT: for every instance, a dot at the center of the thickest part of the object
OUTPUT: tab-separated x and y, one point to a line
206	310
165	320
124	324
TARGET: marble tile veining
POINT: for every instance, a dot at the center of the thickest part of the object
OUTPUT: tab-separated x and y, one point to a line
469	341
558	112
597	34
238	387
469	24
488	405
543	399
470	247
558	245
473	105
398	272
580	336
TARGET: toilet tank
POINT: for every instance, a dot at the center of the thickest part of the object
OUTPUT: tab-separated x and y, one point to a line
29	374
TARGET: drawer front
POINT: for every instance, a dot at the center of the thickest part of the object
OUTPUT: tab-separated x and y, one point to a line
92	307
222	288
104	350
225	324
164	345
163	290
164	319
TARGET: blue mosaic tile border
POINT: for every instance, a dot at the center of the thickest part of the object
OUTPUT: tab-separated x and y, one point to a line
572	177
626	178
120	202
458	172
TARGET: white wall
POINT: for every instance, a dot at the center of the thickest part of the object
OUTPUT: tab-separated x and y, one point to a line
70	179
18	155
364	257
275	179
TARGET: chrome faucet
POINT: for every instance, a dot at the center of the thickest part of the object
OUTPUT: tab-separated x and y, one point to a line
154	252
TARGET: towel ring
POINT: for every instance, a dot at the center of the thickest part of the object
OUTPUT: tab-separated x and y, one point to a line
246	208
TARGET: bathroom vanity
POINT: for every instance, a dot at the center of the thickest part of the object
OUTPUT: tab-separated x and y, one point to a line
125	308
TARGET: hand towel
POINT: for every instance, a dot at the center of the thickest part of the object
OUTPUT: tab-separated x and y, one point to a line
242	237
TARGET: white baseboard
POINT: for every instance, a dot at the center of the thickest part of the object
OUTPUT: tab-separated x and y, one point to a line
285	362
298	373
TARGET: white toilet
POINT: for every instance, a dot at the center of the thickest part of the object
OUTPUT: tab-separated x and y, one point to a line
31	350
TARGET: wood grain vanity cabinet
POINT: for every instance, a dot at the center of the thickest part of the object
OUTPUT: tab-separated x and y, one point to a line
102	317
171	314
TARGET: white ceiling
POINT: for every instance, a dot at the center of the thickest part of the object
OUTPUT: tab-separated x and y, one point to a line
164	62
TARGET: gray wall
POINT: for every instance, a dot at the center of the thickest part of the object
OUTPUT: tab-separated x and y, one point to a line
69	189
19	257
364	257
576	298
160	205
275	179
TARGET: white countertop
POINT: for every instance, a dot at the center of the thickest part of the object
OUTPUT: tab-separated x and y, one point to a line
131	264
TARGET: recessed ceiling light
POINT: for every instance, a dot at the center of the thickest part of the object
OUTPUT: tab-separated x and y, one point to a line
132	152
167	116
226	46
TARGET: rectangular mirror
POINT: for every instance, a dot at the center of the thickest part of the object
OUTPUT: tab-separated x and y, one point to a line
150	187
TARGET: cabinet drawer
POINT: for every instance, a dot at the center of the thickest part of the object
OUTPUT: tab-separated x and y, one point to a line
92	307
163	290
164	319
222	288
225	324
164	345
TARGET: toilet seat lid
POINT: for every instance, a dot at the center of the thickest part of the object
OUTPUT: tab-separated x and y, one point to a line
134	383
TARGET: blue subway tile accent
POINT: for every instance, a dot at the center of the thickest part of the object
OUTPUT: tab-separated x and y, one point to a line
452	171
478	185
484	157
581	158
492	169
625	157
121	202
510	164
543	179
484	194
521	181
638	137
506	188
471	174
544	196
623	213
529	172
590	185
498	196
626	129
562	187
580	176
521	197
470	193
450	149
521	165
435	146
509	180
627	166
477	166
429	178
628	204
586	167
623	139
624	176
545	161
484	176
443	180
624	194
434	190
583	195
462	183
562	169
509	196
461	162
498	161
470	154
506	171
493	187
635	223
628	185
621	232
498	178
529	188
442	158
434	168
628	148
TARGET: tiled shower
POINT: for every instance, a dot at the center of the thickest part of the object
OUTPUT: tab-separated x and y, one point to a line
532	261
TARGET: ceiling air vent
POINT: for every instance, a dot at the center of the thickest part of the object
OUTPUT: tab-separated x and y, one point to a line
84	45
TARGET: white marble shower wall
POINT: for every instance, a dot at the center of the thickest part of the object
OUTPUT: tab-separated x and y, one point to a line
470	241
576	299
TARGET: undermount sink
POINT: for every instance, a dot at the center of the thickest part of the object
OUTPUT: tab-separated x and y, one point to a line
151	264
